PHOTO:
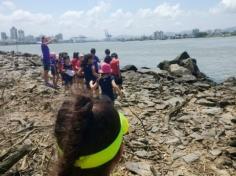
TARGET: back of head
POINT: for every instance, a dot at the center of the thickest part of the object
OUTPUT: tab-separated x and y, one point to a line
76	55
114	55
83	127
93	51
108	59
86	59
107	52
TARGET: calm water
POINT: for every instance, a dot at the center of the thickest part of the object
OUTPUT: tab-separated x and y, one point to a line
216	56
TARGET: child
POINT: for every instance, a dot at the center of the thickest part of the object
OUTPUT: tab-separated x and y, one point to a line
54	69
88	69
106	82
75	62
96	60
89	134
115	66
68	73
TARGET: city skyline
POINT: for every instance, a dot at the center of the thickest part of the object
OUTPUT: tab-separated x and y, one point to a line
138	17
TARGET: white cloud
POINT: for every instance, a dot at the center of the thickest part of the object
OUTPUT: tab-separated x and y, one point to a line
8	5
167	10
101	8
225	6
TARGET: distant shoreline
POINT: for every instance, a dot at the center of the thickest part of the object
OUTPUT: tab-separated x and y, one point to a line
97	41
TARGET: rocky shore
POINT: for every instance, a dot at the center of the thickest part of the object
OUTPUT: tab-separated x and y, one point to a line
182	123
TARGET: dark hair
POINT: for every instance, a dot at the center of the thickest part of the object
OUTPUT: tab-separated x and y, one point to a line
85	126
107	52
76	55
93	51
108	59
42	38
114	55
86	59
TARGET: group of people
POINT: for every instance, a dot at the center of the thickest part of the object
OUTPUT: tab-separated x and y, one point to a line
86	71
89	131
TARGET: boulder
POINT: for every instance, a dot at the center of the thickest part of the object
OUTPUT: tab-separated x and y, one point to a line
182	56
184	63
177	70
129	68
191	65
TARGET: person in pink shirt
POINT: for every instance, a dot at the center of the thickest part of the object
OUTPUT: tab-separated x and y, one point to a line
115	66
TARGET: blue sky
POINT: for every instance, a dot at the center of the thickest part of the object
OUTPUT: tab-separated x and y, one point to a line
120	17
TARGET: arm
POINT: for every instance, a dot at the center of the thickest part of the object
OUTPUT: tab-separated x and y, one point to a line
114	85
49	41
93	86
94	72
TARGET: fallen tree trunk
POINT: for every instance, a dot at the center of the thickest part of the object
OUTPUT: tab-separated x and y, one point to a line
14	158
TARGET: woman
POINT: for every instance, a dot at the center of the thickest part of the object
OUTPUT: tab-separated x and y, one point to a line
89	135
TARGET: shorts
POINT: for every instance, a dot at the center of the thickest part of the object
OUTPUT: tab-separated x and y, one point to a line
68	80
118	80
54	70
46	65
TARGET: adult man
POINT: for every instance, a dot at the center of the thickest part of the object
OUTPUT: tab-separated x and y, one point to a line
46	58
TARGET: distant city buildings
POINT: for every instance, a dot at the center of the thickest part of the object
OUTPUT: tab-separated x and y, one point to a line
13	34
3	36
159	35
21	35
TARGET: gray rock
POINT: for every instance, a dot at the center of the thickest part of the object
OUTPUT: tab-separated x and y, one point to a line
140	168
205	102
154	129
177	70
212	111
202	85
197	137
174	101
129	68
191	158
215	152
185	118
178	154
173	141
186	79
161	106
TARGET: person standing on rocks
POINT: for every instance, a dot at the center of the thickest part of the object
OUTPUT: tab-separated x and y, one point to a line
46	58
106	82
89	134
96	60
115	66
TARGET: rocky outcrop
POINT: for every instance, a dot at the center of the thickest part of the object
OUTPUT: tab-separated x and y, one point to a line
182	65
129	68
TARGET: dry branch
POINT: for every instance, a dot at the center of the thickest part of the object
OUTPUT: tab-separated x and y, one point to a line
14	158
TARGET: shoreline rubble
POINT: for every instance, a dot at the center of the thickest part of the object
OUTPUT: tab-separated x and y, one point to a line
182	123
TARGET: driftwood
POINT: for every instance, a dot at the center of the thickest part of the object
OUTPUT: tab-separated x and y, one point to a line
14	158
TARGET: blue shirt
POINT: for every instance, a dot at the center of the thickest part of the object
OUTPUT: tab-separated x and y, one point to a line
95	63
88	73
46	52
106	86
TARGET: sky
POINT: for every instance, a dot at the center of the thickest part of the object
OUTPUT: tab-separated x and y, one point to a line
120	17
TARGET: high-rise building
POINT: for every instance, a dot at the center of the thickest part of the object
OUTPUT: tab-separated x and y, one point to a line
3	36
21	35
159	35
13	33
59	37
